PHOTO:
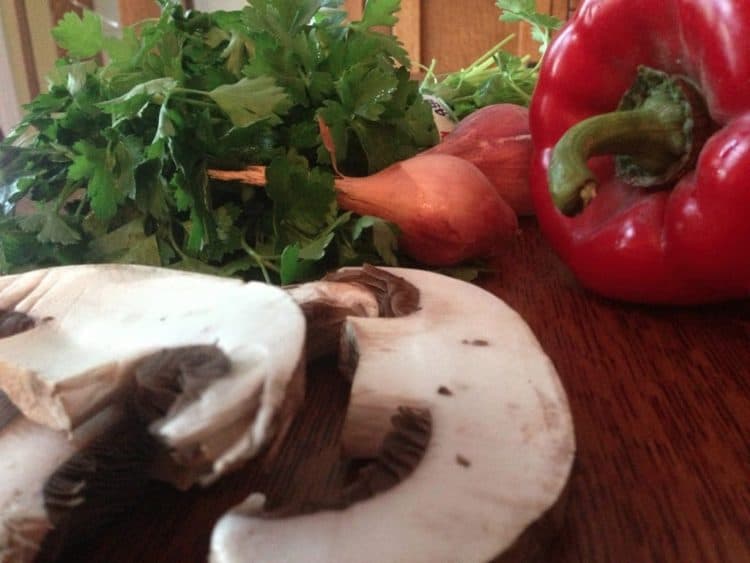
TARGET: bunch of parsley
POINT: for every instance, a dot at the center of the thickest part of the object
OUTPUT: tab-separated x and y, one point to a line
114	157
497	76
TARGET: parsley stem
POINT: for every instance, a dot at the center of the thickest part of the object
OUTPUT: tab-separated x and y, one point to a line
200	103
490	55
182	90
263	264
79	207
519	91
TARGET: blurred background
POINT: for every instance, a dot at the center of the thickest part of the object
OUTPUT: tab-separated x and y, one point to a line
451	32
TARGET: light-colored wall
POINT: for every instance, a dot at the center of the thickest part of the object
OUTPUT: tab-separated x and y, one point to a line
10	109
208	5
107	9
13	83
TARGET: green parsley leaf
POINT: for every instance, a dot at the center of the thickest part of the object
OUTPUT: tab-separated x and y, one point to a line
496	76
49	226
115	155
379	13
305	201
250	100
94	166
385	237
127	244
364	89
542	25
137	98
526	10
122	50
80	37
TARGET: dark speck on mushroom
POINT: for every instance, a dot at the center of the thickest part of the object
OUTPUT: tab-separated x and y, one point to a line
475	342
462	461
443	390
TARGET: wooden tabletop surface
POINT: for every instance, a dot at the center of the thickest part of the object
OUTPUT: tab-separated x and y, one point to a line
661	403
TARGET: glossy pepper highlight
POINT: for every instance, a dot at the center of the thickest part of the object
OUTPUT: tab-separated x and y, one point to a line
641	168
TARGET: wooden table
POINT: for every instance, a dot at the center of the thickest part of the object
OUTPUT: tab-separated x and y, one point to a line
661	403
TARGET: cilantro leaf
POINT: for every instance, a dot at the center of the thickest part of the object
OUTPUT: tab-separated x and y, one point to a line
80	37
542	25
497	76
526	10
379	13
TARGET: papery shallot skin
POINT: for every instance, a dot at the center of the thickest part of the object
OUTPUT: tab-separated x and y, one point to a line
446	209
496	139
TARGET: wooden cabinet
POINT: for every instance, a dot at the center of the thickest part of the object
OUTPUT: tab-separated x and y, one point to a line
456	32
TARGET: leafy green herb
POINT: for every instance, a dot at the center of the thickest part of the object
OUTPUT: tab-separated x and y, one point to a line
496	76
81	37
248	101
542	25
114	157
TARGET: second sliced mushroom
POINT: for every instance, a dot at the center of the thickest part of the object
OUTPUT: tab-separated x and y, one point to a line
464	375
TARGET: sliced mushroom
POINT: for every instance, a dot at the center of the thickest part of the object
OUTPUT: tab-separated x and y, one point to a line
82	332
361	292
326	305
35	459
499	451
23	523
119	374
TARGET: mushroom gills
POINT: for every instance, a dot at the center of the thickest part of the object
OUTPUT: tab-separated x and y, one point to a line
82	483
499	453
37	464
362	292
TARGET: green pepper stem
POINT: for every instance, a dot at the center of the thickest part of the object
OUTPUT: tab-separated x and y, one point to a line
654	136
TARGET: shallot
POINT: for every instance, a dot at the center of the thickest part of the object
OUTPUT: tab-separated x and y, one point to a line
496	139
446	209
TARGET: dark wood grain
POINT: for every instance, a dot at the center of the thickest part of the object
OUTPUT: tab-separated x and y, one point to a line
661	403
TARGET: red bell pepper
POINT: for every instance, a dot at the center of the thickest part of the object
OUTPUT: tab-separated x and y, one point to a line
667	220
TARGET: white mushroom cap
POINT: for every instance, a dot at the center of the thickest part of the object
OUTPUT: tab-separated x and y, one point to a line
500	452
95	322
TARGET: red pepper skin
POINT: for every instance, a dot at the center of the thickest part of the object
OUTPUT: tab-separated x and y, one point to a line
689	244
